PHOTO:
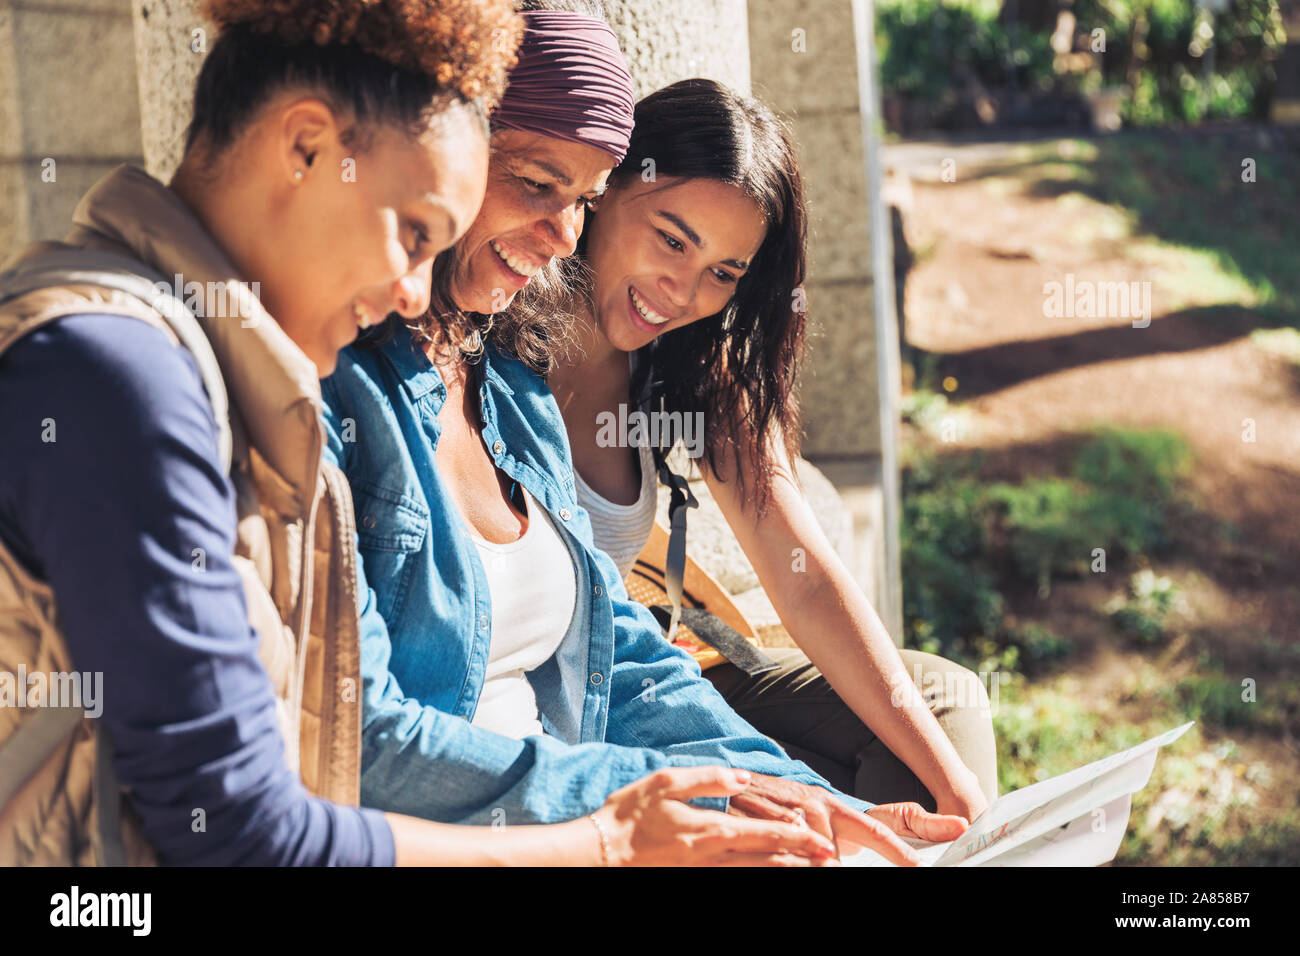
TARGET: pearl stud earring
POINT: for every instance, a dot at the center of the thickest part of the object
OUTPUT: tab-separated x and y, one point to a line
297	174
359	311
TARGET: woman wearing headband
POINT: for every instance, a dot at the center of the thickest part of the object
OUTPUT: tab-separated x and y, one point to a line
167	527
515	682
694	272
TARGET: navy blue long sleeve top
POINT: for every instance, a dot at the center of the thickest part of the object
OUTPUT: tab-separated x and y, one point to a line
111	491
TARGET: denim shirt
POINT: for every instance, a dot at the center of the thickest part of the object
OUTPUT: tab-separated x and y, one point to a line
616	700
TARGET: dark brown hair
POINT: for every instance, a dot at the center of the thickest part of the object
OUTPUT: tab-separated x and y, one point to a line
739	366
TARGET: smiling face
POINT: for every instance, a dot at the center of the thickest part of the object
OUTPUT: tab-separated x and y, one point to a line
537	196
668	253
355	237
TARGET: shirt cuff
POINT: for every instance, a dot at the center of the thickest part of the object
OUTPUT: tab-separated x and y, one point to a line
383	848
721	804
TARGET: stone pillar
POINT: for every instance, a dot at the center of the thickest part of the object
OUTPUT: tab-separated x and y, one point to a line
669	40
171	38
68	110
815	66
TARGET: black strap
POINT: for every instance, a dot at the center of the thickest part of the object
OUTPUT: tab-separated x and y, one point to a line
675	562
722	637
708	627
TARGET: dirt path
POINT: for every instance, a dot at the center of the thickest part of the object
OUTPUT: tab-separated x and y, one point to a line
987	246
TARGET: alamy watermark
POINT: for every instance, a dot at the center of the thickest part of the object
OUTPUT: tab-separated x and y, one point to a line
658	429
82	690
1086	299
215	300
959	688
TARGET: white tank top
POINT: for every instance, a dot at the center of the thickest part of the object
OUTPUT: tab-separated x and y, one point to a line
533	590
621	531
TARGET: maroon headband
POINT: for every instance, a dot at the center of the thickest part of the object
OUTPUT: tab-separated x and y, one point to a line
570	83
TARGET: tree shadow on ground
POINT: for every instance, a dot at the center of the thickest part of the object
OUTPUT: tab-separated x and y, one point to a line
991	368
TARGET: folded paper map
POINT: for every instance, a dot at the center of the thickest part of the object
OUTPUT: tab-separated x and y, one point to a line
1076	819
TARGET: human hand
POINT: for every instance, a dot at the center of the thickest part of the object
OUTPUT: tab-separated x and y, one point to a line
648	823
963	797
776	798
913	821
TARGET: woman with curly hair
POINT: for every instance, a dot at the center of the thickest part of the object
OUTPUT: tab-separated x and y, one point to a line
691	306
181	540
515	681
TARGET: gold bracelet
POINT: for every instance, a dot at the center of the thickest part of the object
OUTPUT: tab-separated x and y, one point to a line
604	840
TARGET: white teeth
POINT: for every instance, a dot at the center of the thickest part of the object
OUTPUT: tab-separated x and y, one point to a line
654	318
518	265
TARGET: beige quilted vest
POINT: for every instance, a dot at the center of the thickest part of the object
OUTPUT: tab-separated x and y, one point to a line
59	800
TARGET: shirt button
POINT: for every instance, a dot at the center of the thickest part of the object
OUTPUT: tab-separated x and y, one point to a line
564	514
597	590
368	521
596	678
483	621
497	446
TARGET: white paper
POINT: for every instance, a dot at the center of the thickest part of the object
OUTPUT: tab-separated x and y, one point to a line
1076	819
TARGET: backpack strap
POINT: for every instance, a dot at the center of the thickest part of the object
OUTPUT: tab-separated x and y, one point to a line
77	266
31	744
682	499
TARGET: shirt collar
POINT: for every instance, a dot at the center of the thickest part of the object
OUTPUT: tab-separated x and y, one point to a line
419	376
272	382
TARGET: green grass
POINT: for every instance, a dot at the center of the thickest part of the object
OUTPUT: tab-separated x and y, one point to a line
1175	205
966	542
1200	806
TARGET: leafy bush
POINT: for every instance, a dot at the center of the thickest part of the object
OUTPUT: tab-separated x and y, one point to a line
925	43
963	541
1039	645
1156	49
1143	611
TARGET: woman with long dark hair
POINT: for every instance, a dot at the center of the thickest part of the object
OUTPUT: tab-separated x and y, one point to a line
515	681
173	533
692	267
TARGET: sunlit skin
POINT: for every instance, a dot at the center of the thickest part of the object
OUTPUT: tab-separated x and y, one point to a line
332	255
678	246
681	246
677	249
351	239
538	192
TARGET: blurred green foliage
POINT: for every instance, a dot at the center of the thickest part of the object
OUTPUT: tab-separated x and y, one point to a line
964	540
923	42
1142	611
1175	61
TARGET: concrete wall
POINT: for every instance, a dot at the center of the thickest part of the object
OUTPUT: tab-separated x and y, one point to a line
669	40
68	110
816	89
813	63
170	41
